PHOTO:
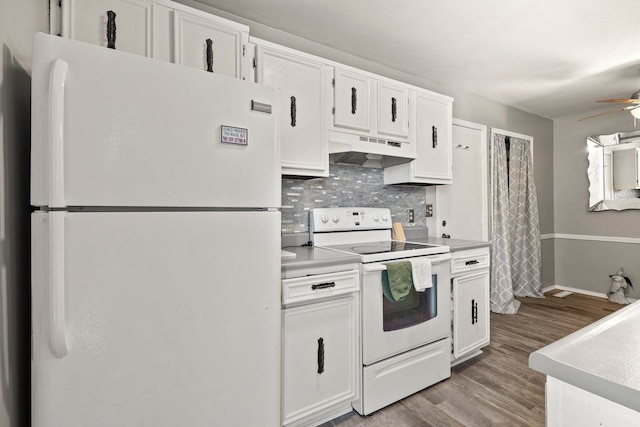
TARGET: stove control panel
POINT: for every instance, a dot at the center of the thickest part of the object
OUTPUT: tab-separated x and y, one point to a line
349	219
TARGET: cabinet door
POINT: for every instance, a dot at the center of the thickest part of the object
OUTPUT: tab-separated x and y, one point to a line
304	143
433	139
129	24
470	312
352	100
393	103
463	206
319	357
208	43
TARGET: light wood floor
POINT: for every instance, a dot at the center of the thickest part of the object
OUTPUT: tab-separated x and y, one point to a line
496	388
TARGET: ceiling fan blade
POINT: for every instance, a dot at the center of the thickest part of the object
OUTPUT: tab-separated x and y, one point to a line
621	101
606	112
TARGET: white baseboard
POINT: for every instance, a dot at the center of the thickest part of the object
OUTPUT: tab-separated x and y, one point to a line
579	291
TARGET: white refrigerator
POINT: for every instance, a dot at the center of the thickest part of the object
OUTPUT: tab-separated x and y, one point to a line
155	243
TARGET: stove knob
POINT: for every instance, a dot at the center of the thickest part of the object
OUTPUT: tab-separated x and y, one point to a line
336	219
385	218
376	218
324	219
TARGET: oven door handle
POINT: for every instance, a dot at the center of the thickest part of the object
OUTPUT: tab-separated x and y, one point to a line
372	268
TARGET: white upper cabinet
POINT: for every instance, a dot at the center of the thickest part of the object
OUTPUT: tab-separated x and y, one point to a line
352	100
119	24
393	103
160	29
431	136
304	92
370	105
209	43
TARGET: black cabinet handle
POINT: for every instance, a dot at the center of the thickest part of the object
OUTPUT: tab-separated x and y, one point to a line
293	111
474	312
323	286
320	355
111	29
354	100
473	318
472	262
209	55
434	136
394	110
446	236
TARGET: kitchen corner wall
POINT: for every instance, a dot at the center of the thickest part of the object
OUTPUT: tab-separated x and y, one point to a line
589	246
347	186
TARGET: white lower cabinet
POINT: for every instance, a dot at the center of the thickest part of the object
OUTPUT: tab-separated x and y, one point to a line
320	350
470	303
568	405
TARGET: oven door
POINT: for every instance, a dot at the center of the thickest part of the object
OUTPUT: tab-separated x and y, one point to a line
390	328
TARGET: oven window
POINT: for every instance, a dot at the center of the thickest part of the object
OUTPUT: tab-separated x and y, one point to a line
416	308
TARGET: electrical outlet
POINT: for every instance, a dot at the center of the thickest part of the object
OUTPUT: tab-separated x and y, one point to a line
429	211
412	215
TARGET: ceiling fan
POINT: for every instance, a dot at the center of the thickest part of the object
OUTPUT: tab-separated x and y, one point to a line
633	101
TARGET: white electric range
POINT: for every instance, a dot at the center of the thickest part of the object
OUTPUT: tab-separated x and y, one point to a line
406	345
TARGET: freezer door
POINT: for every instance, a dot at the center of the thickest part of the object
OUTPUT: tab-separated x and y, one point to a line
111	128
156	319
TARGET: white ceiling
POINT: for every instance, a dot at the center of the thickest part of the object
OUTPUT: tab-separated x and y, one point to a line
548	57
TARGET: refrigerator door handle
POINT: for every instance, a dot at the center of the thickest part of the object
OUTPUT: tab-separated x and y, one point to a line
59	343
57	80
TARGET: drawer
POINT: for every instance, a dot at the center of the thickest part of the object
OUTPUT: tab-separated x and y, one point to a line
470	260
390	380
320	286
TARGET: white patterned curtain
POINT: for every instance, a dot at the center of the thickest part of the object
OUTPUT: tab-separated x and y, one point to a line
524	226
515	258
501	295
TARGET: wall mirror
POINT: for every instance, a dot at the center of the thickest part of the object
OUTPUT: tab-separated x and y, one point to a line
614	171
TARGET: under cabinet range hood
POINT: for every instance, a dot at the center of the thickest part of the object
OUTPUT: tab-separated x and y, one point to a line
368	151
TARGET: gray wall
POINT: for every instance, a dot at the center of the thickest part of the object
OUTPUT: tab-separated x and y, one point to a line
18	21
587	264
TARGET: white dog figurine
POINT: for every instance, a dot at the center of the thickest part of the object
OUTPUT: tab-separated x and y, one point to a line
619	283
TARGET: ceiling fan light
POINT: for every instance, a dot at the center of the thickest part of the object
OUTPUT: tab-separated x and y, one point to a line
635	112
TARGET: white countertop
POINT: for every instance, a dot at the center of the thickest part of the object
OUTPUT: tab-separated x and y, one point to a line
602	358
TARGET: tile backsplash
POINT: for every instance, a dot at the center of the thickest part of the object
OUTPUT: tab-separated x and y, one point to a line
347	186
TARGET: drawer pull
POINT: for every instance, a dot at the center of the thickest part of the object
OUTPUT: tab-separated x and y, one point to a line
320	355
472	262
323	286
